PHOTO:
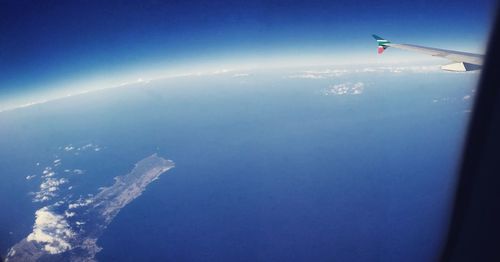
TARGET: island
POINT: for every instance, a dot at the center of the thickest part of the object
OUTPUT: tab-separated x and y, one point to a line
72	234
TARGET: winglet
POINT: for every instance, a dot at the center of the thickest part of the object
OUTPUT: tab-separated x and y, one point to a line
382	43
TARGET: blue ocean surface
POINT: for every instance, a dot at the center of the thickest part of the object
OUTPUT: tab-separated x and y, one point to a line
269	166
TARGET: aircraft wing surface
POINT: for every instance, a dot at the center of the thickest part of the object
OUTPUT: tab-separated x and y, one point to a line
462	61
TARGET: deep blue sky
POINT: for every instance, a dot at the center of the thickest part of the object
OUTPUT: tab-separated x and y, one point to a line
47	42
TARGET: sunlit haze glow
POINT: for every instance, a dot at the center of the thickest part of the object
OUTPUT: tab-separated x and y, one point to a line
50	50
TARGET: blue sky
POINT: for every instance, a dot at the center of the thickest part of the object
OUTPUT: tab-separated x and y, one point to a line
44	44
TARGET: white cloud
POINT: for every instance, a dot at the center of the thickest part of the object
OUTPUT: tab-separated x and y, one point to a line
307	76
48	189
241	75
345	89
57	162
52	231
320	74
89	146
220	71
368	69
80	203
47	172
52	182
403	69
334	73
69	214
78	172
58	203
71	206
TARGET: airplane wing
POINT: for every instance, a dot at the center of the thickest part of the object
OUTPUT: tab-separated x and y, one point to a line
462	61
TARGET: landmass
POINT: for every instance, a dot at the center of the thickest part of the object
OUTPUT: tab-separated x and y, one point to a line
71	233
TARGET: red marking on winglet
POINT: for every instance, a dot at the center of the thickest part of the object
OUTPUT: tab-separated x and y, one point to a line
380	49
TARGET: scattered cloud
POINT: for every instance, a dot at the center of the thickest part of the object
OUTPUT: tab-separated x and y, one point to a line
241	75
454	99
53	175
307	76
69	214
48	189
320	74
47	172
57	162
75	171
335	73
400	69
78	172
59	203
89	146
220	71
347	88
80	203
58	229
52	232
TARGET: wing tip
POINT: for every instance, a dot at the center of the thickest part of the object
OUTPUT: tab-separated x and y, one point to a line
382	43
377	37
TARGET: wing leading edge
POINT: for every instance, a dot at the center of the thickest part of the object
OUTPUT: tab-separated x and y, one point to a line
462	61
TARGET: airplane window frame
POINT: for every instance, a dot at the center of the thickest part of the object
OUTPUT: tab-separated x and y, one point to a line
474	229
